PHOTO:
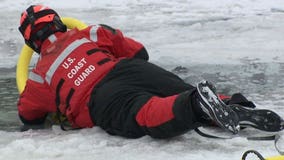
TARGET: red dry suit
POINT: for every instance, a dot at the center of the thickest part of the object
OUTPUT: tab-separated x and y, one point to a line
69	66
99	77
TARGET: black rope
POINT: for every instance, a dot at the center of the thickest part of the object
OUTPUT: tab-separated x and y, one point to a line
277	137
263	138
252	152
260	138
274	138
209	135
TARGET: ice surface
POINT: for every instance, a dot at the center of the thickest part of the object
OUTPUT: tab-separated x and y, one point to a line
245	36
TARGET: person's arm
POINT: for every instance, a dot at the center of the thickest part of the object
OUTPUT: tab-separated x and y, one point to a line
35	102
113	41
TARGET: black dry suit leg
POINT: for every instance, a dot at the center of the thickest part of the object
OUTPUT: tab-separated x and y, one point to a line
138	98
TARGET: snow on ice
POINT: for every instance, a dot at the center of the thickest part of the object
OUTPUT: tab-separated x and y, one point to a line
176	33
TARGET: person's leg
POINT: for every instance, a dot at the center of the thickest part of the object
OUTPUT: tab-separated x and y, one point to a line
138	98
165	117
113	107
134	84
127	111
189	109
150	78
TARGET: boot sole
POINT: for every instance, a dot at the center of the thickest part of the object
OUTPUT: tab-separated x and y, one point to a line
261	119
216	109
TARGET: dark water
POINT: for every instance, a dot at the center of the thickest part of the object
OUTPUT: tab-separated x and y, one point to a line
259	81
8	105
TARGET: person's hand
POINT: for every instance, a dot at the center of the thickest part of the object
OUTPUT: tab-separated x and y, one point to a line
26	127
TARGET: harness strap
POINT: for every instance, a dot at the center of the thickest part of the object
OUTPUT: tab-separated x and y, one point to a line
69	96
58	88
103	61
57	101
63	118
95	50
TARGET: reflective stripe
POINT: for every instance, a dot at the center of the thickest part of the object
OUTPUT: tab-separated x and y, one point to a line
62	57
93	33
35	77
52	38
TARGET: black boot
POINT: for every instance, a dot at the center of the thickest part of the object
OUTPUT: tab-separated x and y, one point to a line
261	119
216	109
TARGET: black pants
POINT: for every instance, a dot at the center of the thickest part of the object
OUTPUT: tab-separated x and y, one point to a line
117	99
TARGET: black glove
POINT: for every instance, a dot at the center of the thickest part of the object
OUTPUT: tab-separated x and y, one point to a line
46	123
240	99
26	127
35	124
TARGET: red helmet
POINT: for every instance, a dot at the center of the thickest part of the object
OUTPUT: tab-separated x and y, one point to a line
38	23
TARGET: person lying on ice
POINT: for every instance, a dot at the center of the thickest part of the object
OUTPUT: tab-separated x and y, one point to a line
98	77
